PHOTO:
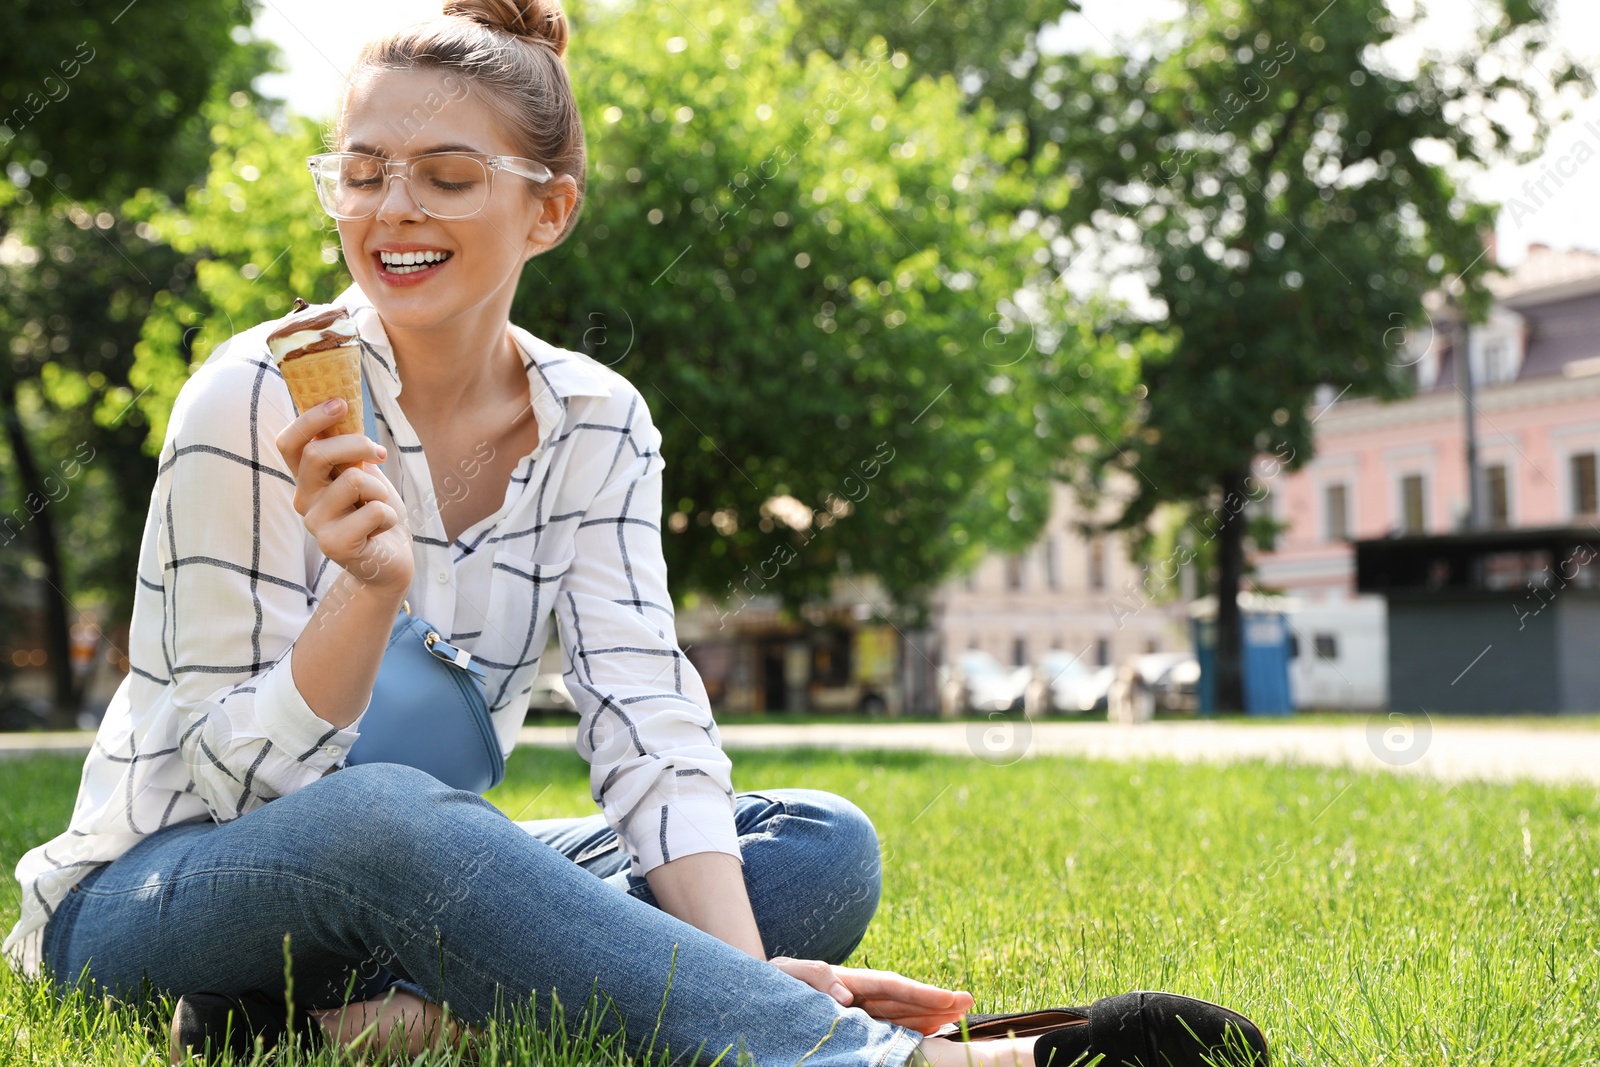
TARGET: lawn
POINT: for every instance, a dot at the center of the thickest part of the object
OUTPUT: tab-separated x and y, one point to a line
1361	918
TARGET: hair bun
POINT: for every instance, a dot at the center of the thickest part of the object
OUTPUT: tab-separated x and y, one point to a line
536	20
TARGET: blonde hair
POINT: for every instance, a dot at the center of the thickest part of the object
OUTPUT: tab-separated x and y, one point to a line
513	49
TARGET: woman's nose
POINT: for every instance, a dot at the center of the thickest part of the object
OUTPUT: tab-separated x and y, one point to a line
398	204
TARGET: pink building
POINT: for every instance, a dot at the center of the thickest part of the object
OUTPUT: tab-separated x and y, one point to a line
1401	467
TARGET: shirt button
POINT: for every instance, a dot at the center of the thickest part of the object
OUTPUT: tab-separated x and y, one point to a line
332	750
443	577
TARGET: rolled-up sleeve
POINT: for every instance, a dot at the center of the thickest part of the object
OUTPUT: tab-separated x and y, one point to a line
236	592
657	768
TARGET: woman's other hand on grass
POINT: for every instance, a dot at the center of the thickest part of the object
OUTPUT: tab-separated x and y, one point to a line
885	995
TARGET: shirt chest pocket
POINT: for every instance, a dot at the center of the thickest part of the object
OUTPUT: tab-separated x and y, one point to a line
522	593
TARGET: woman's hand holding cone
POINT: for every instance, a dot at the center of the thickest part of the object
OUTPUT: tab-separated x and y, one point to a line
349	506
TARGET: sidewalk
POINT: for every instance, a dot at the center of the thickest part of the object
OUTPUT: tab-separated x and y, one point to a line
1450	752
1445	750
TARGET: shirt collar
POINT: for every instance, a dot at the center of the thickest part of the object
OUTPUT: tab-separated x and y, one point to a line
551	370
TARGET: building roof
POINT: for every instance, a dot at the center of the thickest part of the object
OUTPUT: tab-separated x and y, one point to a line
1547	274
1552	558
1557	292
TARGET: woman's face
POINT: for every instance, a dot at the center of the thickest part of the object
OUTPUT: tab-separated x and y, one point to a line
400	114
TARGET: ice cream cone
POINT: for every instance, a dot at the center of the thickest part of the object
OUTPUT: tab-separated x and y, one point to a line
316	377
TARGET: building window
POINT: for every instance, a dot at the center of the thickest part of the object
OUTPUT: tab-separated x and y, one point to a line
1499	361
1585	489
1047	550
1327	646
1336	510
1014	572
1497	496
1019	652
1097	565
1413	510
1102	651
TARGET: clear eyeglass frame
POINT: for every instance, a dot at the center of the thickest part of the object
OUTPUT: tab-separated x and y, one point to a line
326	165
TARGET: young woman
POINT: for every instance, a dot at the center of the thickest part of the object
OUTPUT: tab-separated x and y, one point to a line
218	831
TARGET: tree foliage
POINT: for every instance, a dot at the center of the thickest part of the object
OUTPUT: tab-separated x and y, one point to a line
95	102
101	99
989	46
76	289
1287	193
846	290
256	237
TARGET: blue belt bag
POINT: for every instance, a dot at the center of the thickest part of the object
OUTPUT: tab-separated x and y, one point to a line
429	705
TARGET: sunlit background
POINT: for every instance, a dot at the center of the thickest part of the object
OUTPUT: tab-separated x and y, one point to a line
320	40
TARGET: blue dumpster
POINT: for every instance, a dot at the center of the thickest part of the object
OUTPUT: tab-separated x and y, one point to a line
1264	651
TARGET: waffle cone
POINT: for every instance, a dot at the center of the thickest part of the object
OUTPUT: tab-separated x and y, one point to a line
317	377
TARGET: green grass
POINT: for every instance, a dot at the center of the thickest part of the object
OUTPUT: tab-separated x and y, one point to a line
1361	918
1311	717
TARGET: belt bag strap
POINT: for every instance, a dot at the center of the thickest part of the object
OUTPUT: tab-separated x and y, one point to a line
369	421
429	707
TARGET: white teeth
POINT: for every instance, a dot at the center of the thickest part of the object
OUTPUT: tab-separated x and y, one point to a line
411	262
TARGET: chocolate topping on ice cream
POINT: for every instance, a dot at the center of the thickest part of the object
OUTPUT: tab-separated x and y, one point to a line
304	334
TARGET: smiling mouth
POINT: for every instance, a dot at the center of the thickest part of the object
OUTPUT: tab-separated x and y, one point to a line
411	262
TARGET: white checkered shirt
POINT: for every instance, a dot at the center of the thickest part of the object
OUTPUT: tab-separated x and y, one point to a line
209	724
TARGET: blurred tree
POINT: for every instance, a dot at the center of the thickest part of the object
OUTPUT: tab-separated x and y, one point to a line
94	104
100	99
257	239
15	711
989	46
1283	181
74	289
814	275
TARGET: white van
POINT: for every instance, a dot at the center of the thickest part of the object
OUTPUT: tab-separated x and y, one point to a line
1339	653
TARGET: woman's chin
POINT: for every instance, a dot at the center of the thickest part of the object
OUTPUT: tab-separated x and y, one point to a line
443	296
407	306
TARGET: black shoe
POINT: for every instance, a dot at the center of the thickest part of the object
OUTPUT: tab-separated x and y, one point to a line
206	1023
1141	1029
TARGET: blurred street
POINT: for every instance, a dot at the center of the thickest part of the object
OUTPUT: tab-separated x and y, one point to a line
1495	751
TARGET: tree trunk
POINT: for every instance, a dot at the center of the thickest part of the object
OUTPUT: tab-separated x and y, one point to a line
57	636
1229	689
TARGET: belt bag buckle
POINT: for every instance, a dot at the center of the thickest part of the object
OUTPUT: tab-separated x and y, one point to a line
430	710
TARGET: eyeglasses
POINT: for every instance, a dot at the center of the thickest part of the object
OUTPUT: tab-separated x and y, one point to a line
446	185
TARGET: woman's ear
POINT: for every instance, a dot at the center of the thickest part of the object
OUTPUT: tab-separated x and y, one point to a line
556	200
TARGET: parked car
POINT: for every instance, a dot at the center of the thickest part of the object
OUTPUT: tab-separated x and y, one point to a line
549	694
1179	688
1173	678
1153	666
985	684
1064	683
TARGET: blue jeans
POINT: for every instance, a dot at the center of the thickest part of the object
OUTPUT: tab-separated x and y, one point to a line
381	875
